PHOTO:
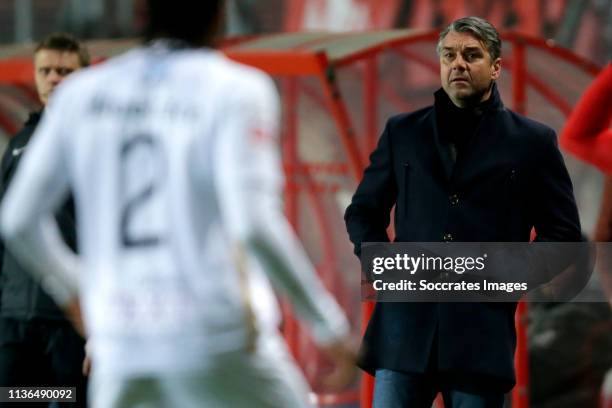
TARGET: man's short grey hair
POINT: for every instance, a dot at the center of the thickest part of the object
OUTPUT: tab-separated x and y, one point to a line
479	28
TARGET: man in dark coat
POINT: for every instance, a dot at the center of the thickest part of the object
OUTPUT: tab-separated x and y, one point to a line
464	169
38	345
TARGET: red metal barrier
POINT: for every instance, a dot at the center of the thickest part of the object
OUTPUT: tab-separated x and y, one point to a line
520	393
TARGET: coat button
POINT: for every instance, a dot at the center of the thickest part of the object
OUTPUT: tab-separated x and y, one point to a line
454	199
447	237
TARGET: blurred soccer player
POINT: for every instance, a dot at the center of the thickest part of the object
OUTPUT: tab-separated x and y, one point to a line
171	153
38	346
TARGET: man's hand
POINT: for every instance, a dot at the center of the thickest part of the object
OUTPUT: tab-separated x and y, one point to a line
73	310
86	361
343	354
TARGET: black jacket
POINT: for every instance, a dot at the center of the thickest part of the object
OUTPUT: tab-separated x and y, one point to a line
20	296
508	178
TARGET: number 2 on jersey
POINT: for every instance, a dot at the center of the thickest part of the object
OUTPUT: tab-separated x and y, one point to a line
140	161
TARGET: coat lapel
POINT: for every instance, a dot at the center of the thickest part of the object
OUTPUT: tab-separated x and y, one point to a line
479	141
484	142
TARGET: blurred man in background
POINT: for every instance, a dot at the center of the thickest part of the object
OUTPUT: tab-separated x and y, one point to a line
38	345
177	181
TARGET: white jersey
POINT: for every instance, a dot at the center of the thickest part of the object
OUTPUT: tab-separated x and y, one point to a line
172	157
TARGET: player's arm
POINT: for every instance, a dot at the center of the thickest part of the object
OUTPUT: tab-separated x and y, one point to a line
587	133
38	188
249	180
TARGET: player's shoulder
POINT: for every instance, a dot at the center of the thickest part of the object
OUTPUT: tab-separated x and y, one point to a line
240	79
84	81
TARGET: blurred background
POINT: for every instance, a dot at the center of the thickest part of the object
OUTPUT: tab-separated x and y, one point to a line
569	346
581	25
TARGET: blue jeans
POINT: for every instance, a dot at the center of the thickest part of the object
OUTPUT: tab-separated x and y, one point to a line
394	389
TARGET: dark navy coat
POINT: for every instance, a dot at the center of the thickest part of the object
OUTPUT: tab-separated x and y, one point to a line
511	177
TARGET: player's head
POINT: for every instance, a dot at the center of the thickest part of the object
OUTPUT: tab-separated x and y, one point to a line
470	59
55	57
194	22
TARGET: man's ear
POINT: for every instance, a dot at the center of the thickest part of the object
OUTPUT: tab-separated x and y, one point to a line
496	69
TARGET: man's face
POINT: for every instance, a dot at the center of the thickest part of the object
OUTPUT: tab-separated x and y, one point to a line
466	69
50	68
